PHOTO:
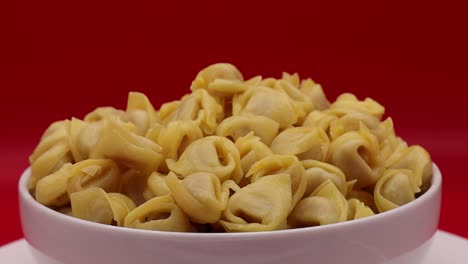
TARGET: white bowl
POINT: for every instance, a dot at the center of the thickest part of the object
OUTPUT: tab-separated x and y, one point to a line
399	236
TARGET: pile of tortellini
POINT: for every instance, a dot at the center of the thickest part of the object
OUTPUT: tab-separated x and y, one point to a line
233	155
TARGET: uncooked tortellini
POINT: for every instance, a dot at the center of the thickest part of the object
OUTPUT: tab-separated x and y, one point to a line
235	154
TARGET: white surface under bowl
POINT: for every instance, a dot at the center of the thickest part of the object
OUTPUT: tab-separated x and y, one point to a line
399	236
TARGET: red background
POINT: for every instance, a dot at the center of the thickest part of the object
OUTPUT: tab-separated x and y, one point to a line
59	60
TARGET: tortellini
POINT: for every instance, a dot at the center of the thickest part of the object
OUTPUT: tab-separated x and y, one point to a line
118	141
222	79
83	138
239	126
317	172
174	138
267	102
140	112
199	106
214	154
200	195
52	152
326	205
346	103
394	189
357	154
304	142
55	189
417	160
251	150
261	206
236	154
159	213
357	210
95	205
281	164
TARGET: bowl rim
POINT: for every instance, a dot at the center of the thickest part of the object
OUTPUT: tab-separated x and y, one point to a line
26	197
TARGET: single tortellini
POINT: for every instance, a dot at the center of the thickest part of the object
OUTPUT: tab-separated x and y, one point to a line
394	189
56	188
174	138
199	106
357	154
140	112
238	126
390	144
52	152
95	205
118	142
281	164
364	196
272	103
214	154
83	137
418	160
159	213
201	196
102	173
156	186
220	79
315	93
102	113
263	205
347	102
301	102
52	189
292	79
326	205
319	119
251	150
357	210
317	172
304	142
351	122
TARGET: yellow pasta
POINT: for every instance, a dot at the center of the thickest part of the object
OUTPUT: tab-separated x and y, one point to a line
220	79
140	112
52	152
83	138
346	103
174	138
95	205
235	154
261	206
281	164
326	205
317	172
199	106
159	213
200	195
214	154
357	154
394	189
120	142
55	189
357	210
239	126
267	102
304	142
251	150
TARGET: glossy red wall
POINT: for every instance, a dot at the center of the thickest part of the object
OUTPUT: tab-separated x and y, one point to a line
63	59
